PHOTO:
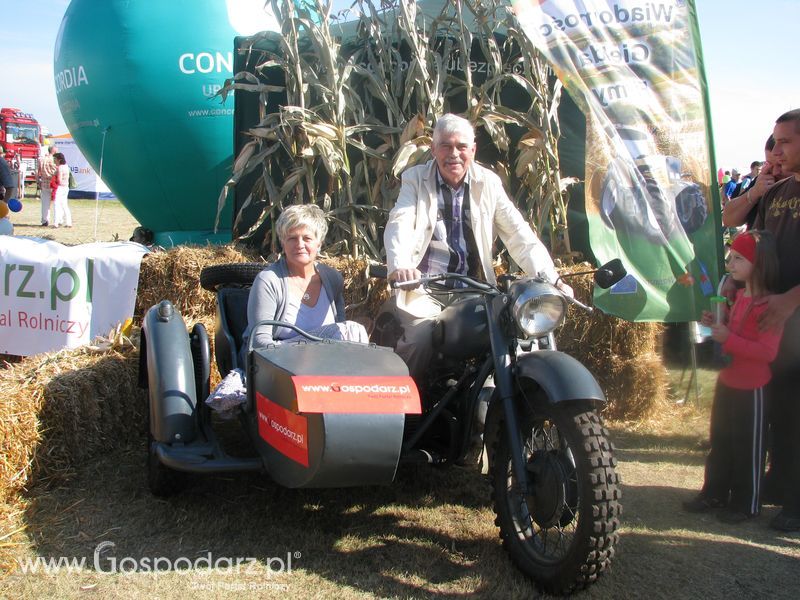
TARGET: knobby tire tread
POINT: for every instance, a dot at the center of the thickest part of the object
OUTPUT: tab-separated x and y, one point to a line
592	555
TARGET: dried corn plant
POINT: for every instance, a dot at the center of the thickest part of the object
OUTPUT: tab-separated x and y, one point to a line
348	102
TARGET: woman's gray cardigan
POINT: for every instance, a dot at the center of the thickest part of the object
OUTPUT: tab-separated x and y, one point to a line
268	296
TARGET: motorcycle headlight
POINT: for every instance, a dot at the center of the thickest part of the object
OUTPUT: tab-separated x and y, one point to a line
538	307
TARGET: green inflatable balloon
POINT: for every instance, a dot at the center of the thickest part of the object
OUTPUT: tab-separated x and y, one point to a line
135	82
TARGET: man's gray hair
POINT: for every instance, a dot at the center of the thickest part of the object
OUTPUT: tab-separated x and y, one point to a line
302	215
449	124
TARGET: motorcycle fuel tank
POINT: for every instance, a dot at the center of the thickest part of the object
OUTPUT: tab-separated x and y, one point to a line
461	331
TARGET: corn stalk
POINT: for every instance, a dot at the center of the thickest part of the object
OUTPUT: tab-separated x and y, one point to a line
357	108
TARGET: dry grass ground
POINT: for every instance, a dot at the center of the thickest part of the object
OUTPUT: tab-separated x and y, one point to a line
93	221
431	534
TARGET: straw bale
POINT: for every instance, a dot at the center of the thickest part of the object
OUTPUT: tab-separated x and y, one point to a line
636	388
62	408
622	355
174	275
363	296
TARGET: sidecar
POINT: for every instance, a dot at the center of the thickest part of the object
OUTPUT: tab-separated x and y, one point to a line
317	413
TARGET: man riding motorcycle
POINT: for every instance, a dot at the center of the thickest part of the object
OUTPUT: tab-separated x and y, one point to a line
446	218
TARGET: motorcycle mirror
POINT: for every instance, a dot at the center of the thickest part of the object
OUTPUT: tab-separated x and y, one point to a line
610	273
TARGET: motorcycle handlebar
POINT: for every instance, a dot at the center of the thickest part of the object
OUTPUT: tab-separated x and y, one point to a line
426	279
381	271
579	304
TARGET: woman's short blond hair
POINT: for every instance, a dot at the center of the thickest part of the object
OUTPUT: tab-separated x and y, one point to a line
302	215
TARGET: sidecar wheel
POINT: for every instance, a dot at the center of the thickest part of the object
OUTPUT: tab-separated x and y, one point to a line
241	274
561	531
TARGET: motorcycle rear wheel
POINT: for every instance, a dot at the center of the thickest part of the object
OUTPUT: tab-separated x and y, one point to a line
561	531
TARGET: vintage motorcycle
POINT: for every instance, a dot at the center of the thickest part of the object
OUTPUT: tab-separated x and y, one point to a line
335	414
497	372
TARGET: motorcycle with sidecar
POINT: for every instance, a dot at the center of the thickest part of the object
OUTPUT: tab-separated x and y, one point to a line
327	413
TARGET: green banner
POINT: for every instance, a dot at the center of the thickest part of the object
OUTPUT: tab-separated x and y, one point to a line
634	69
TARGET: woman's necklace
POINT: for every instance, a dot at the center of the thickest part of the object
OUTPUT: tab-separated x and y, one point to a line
305	296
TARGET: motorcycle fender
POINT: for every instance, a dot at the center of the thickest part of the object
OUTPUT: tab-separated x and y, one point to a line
561	376
170	375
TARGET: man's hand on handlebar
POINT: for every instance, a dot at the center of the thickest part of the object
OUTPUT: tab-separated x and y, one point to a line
403	275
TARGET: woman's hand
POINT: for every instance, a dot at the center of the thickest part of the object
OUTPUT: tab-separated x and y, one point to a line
707	318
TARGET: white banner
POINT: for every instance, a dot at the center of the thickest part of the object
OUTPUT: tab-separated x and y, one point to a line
89	184
54	296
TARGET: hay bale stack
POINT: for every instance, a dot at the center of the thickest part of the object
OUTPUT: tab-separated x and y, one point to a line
62	408
623	356
363	296
174	275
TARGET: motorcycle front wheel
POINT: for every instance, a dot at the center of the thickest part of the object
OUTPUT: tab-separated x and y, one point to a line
561	530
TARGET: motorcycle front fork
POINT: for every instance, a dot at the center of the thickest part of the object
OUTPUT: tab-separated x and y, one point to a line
504	382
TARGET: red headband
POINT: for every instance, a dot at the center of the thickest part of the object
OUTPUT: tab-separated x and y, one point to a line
745	244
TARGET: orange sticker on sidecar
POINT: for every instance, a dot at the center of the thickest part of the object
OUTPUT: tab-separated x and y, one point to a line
356	394
283	430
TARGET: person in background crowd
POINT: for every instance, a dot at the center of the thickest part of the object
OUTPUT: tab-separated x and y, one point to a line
735	463
22	173
778	212
744	208
61	212
6	181
47	168
727	191
748	179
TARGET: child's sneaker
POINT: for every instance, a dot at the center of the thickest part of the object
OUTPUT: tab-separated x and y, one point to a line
702	504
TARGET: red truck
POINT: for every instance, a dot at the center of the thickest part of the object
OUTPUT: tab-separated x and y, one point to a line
21	134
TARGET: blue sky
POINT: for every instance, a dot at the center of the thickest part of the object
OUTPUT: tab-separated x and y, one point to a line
749	49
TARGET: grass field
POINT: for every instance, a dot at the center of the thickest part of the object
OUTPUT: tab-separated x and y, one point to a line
428	535
93	221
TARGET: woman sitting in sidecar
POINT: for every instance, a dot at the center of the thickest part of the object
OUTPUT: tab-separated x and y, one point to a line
297	289
318	409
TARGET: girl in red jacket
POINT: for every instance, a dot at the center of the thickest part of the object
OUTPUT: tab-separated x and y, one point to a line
735	463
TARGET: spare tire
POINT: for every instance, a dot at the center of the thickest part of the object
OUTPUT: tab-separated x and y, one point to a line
232	274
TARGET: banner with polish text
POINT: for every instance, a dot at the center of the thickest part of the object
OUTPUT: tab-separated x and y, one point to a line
56	296
634	68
